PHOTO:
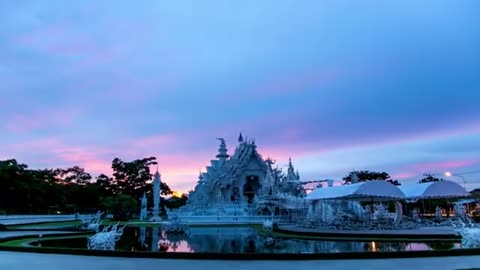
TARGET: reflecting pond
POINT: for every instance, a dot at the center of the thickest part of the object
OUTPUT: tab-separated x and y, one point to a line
241	240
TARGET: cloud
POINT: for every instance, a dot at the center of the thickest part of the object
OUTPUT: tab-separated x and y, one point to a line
313	83
41	119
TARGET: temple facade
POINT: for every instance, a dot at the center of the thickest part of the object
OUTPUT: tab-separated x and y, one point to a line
245	181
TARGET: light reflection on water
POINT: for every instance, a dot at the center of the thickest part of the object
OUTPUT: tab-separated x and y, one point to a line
247	240
241	240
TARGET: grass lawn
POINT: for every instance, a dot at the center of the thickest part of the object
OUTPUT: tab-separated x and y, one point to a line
133	223
44	224
23	241
337	238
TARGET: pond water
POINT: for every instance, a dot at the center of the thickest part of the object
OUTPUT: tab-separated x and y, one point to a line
241	240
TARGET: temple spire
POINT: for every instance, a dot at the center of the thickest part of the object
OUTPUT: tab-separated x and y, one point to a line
222	150
291	175
240	138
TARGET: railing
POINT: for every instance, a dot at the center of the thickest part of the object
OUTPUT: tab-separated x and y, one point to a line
229	219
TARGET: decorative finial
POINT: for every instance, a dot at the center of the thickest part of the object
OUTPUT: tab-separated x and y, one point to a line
222	150
240	138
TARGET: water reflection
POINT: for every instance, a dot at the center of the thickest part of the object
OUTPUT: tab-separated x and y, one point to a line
247	240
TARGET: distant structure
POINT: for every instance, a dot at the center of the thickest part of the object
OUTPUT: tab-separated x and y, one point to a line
143	209
156	198
245	184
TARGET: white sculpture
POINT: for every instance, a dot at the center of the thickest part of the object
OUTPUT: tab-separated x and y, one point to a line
415	215
268	225
106	239
460	210
380	212
367	213
469	231
91	222
438	212
176	226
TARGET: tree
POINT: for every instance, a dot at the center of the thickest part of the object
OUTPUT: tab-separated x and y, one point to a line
75	175
176	202
39	191
430	178
364	176
132	177
122	206
21	190
106	185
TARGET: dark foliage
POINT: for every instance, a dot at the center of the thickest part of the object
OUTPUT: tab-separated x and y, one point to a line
430	178
66	191
364	176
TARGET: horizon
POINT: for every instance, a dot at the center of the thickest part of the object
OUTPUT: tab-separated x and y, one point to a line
364	86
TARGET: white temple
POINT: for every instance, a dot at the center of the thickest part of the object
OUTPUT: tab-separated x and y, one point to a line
245	184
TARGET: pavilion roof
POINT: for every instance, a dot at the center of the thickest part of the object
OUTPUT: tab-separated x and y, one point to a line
377	189
432	190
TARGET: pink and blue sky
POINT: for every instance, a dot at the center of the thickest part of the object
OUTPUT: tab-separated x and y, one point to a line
337	85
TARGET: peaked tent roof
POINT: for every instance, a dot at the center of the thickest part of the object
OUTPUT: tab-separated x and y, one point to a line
437	189
365	190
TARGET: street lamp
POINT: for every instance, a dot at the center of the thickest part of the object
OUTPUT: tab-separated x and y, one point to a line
450	174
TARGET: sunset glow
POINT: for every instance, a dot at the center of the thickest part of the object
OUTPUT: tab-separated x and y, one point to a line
376	86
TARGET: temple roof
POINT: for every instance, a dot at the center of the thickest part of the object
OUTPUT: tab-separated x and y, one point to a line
221	173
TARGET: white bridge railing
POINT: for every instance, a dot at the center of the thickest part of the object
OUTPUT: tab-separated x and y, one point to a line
229	219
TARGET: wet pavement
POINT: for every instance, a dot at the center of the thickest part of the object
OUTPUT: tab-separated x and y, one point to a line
28	261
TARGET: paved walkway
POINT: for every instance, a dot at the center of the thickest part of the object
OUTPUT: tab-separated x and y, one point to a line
25	219
8	234
438	231
28	261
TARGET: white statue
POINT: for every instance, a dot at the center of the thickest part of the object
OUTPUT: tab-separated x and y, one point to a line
106	239
268	225
367	213
91	222
438	212
380	212
469	231
460	210
415	215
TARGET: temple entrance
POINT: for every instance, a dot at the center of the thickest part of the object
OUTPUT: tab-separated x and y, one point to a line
252	185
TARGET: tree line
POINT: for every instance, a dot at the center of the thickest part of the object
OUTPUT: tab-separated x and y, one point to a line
73	190
364	176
